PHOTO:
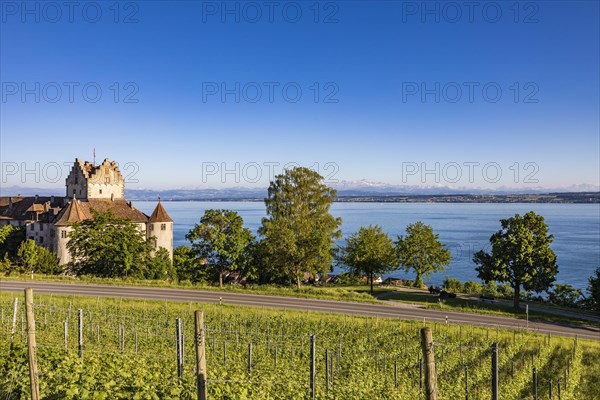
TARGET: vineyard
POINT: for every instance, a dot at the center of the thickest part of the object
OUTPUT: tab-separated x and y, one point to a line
105	348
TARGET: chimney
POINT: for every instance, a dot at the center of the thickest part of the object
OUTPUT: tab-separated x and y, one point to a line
52	199
36	198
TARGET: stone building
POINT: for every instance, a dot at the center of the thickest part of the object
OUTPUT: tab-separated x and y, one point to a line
47	220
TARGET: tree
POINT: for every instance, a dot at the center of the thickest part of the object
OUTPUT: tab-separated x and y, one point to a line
298	233
369	251
221	240
594	289
109	246
187	265
565	295
521	255
160	266
28	254
421	251
11	238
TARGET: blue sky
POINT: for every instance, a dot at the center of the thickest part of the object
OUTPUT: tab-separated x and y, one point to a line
205	94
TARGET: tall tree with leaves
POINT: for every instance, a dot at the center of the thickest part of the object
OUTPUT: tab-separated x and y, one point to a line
222	240
521	255
299	232
421	251
594	289
369	251
28	254
109	246
11	238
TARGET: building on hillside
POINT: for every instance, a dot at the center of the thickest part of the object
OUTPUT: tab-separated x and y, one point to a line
47	220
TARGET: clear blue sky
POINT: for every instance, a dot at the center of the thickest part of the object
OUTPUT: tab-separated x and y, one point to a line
371	61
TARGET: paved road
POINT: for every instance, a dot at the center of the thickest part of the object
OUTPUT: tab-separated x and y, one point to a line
395	310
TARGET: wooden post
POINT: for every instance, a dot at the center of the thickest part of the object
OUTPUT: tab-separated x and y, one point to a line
31	345
66	328
428	357
200	355
178	347
395	373
494	371
80	332
534	379
327	370
313	369
550	388
14	322
250	356
466	383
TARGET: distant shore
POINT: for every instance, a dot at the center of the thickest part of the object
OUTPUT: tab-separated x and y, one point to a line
352	197
554	198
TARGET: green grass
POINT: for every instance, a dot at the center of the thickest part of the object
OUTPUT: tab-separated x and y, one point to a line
142	363
470	305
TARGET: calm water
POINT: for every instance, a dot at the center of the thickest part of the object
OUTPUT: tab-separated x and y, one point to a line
464	228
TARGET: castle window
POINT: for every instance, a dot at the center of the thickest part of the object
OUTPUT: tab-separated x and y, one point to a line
63	234
151	227
41	239
41	227
100	191
32	227
107	179
76	180
163	227
107	170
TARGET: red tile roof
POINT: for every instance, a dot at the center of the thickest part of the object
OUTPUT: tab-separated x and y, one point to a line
160	214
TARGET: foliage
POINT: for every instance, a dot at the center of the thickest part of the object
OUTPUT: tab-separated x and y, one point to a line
369	251
380	349
11	238
472	287
27	254
421	251
348	279
594	289
298	233
160	266
109	246
565	295
453	285
222	241
47	262
521	255
187	265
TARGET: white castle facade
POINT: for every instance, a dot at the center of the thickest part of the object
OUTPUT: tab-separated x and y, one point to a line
47	220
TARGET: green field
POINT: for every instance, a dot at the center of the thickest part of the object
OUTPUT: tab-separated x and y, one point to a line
129	351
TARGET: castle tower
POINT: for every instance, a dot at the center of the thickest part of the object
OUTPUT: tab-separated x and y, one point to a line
160	226
90	181
60	231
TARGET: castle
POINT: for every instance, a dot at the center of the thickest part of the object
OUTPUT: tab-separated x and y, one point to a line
47	220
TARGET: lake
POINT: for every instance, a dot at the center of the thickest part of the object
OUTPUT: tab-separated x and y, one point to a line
463	227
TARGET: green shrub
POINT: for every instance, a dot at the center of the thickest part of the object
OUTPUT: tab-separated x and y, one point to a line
453	285
473	287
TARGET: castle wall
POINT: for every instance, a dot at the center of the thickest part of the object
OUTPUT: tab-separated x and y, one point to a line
60	240
77	183
41	233
163	236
